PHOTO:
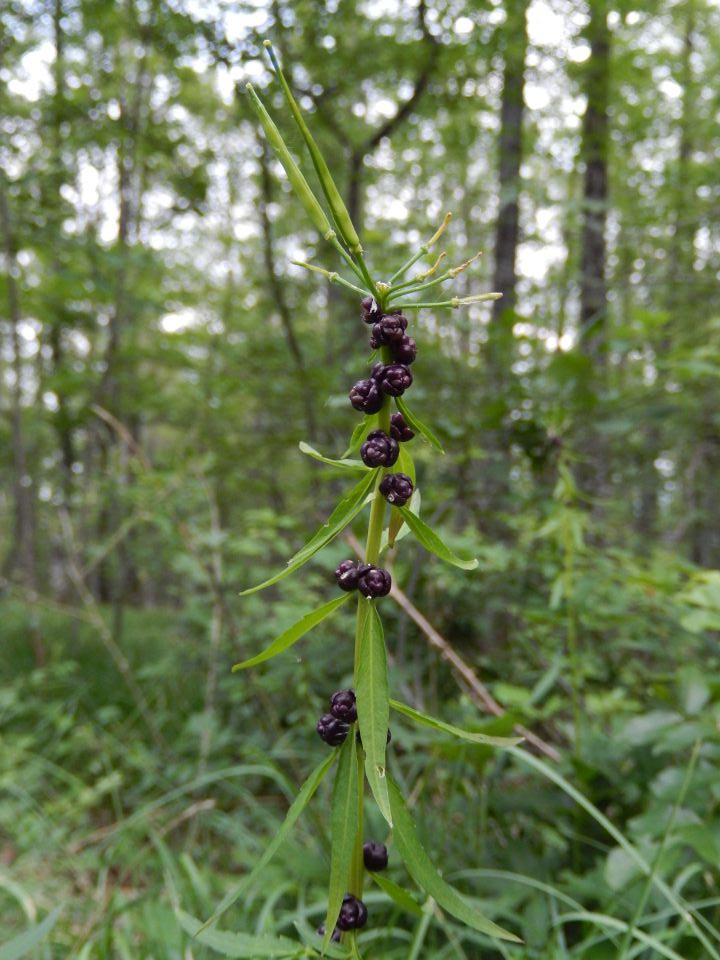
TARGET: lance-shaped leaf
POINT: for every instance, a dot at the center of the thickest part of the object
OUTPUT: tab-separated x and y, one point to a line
332	194
416	424
406	901
423	872
343	831
296	808
373	707
294	633
426	721
243	945
369	422
432	542
343	514
294	174
344	464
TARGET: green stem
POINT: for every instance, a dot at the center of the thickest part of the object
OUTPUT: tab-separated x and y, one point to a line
372	555
410	288
366	274
347	258
409	263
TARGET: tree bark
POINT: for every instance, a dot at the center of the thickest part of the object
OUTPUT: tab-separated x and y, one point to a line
498	351
23	555
593	251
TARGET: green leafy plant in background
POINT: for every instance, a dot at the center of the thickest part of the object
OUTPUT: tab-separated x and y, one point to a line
357	727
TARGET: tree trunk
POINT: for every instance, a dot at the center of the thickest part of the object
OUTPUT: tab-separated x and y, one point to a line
593	252
23	555
498	351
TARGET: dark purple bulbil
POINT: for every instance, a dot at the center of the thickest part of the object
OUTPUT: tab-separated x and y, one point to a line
346	575
399	430
374	582
397	488
371	312
375	855
332	730
389	330
392	378
353	913
404	350
366	396
379	450
343	706
335	935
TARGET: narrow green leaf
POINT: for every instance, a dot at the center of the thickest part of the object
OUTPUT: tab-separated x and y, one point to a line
373	705
298	805
405	900
346	511
369	422
417	425
344	464
294	633
343	831
335	201
236	944
435	724
26	941
426	876
294	175
432	542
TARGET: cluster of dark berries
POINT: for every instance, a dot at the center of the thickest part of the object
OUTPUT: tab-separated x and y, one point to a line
386	379
353	916
370	580
333	727
397	488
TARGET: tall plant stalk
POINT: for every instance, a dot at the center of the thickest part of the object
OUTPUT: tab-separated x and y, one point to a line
357	726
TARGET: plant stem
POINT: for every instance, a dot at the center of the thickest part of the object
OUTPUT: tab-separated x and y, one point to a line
372	555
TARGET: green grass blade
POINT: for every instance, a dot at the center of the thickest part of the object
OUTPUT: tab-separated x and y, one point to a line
683	909
435	724
294	633
373	705
21	945
343	831
301	801
613	923
432	542
343	514
416	424
426	876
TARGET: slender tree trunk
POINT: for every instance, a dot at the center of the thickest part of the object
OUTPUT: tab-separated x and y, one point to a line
507	237
593	252
23	556
63	418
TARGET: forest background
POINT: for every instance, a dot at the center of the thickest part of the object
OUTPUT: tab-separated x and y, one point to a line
160	359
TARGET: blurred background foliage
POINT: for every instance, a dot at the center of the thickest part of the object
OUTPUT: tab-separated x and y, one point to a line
160	359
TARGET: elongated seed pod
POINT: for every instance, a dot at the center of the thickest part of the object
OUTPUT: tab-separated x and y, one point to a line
332	194
294	174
